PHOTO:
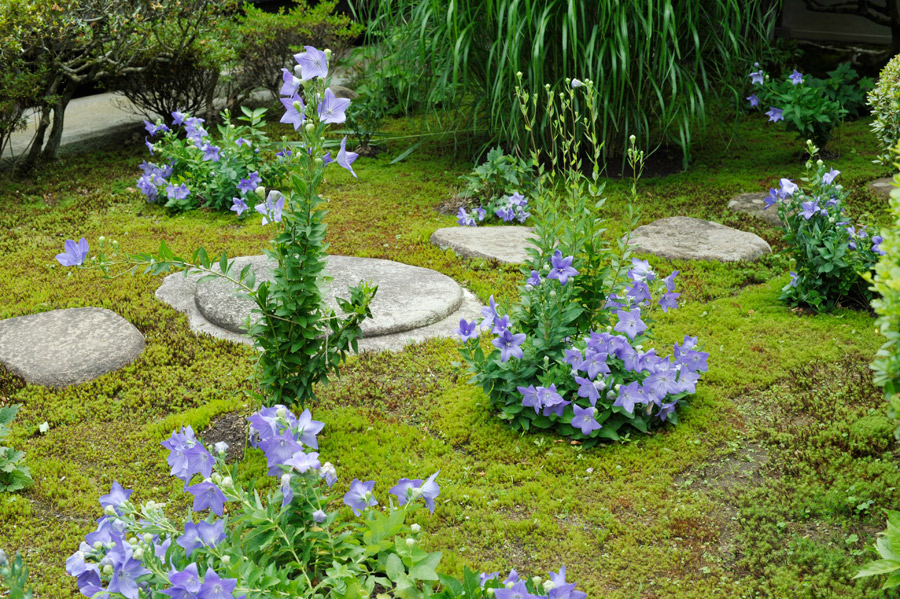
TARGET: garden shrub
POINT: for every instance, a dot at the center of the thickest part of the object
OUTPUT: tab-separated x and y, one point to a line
497	187
884	100
263	42
810	107
301	340
831	255
569	355
197	170
656	62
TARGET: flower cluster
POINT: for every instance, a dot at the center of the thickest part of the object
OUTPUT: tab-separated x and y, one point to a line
507	209
830	252
197	171
589	383
516	587
137	551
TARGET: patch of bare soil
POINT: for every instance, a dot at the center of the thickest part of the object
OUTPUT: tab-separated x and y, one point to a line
232	428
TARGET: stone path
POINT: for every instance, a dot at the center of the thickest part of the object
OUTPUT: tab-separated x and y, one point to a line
684	238
504	244
882	188
754	205
412	303
68	347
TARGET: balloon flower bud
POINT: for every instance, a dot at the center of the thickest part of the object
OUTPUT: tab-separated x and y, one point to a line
261	191
310	128
327	53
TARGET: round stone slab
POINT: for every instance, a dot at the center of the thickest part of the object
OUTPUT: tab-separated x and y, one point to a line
408	297
882	188
68	347
684	238
754	205
504	244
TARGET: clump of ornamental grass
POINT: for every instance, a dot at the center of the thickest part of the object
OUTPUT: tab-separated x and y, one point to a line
570	354
301	340
831	254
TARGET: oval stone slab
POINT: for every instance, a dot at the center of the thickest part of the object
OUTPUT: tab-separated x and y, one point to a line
67	347
408	297
504	244
685	238
882	188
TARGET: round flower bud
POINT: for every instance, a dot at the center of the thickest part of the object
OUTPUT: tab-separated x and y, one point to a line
548	586
410	541
518	74
285	479
632	138
280	412
819	162
138	554
298	71
260	191
148	538
102	240
553	293
226	559
416	528
317	160
617	387
537	580
310	127
327	53
217	478
108	570
133	541
151	505
227	482
98	545
231	126
831	219
109	510
297	106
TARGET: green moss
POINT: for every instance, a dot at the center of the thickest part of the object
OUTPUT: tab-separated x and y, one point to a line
752	495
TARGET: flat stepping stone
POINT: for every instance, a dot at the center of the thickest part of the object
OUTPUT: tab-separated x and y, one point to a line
882	188
68	347
412	304
754	204
685	238
504	244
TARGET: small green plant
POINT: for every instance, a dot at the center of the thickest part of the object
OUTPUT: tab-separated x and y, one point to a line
15	576
846	87
831	254
800	102
888	548
498	176
884	100
14	474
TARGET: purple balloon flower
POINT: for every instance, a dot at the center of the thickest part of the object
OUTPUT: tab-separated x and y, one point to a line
177	118
124	578
774	114
239	206
467	330
630	323
754	100
207	496
291	84
313	63
534	280
588	389
319	516
75	253
294	111
333	109
629	395
271	209
667	301
116	497
796	77
359	497
179	192
561	268
302	461
215	587
584	420
509	345
810	209
345	159
830	176
287	491
278	450
757	78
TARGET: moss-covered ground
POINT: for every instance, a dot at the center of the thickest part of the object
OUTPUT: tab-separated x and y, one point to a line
771	486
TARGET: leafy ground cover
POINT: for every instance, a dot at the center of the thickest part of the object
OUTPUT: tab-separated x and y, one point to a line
771	486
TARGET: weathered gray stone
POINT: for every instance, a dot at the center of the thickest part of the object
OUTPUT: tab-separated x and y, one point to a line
684	238
504	244
412	303
68	347
754	205
882	188
342	91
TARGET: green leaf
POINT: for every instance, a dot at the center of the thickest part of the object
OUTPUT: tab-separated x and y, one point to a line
425	569
878	568
394	567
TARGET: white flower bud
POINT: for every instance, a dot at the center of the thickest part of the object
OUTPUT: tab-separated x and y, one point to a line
297	106
327	53
537	580
576	84
108	570
138	554
98	545
226	559
416	528
518	74
548	586
148	538
227	482
260	191
133	541
632	138
109	510
298	71
151	505
819	162
280	412
310	127
217	478
410	541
